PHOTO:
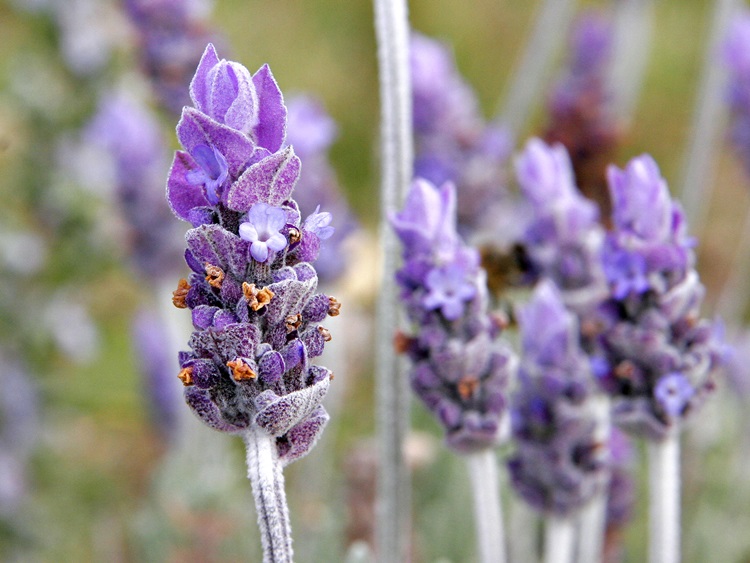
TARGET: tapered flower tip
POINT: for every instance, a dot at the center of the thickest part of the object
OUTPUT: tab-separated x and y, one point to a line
640	200
224	91
544	171
252	104
427	222
548	330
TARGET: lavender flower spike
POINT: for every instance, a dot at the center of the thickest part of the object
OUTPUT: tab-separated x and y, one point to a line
459	366
563	239
252	290
560	462
656	355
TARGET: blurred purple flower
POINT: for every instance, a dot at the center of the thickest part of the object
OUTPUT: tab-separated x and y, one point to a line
559	463
460	367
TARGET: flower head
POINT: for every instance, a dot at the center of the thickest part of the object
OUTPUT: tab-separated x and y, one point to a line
448	289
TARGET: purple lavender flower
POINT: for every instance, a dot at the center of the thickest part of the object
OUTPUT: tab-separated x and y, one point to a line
656	355
580	114
559	464
312	131
452	141
563	239
460	367
262	230
736	55
252	292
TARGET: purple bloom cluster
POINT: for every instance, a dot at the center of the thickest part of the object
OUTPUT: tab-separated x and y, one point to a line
737	60
173	35
460	367
580	114
563	239
560	460
252	290
453	142
131	135
312	131
655	353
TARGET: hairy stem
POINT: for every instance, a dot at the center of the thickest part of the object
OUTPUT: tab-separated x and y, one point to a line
549	33
267	480
559	539
664	500
393	497
707	123
488	517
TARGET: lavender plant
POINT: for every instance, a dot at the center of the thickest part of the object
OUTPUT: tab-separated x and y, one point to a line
656	355
560	463
252	290
459	365
563	239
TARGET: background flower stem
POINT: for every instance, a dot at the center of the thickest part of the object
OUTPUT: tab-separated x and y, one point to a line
393	495
488	517
559	539
664	501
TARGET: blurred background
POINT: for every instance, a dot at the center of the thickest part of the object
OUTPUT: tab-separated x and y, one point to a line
98	460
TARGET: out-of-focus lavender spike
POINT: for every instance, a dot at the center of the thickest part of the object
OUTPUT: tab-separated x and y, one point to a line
563	239
657	355
548	34
560	462
708	120
452	141
633	24
19	426
126	130
460	368
172	34
581	116
311	131
153	347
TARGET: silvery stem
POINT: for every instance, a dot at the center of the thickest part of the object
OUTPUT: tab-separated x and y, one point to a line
559	539
633	24
488	517
593	516
708	121
664	500
549	33
267	480
392	510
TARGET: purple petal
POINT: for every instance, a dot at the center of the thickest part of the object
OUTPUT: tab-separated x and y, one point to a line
199	84
269	181
271	129
183	195
281	415
196	128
